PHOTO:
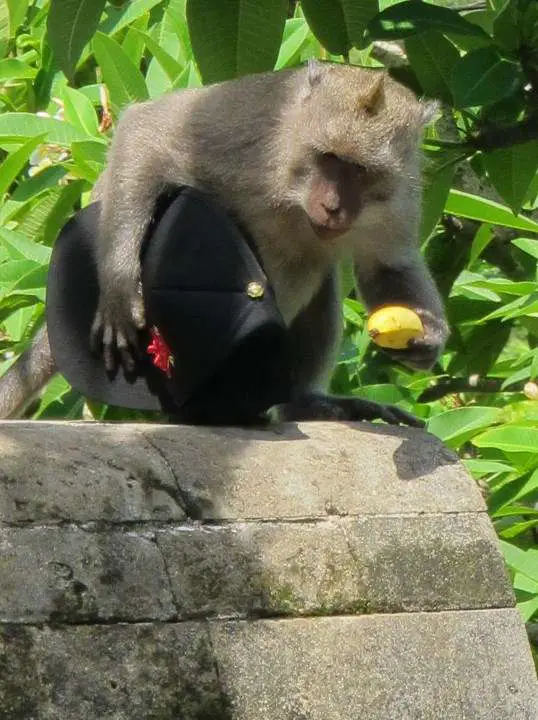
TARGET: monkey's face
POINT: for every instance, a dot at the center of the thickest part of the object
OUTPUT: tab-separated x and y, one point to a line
339	190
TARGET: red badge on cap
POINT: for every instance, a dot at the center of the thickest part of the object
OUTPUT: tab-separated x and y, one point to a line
162	357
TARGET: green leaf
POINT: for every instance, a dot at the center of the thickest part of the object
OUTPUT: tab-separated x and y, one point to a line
528	608
13	69
171	66
21	247
509	287
411	18
70	25
89	159
357	15
328	23
19	126
384	393
16	301
528	245
79	111
12	270
474	207
227	39
4	27
479	468
483	236
529	486
17	13
59	400
509	438
438	174
124	80
522	561
296	34
505	26
35	279
517	529
483	77
515	510
433	59
511	171
119	18
457	426
516	308
15	162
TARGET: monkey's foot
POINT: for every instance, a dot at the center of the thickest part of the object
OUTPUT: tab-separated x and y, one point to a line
115	331
328	407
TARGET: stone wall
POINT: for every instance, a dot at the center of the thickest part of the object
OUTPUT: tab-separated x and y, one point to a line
312	572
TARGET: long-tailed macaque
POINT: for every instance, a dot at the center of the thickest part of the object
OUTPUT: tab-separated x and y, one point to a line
315	163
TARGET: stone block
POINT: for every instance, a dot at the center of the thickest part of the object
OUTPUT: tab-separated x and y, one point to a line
120	672
72	576
314	470
338	565
469	665
83	472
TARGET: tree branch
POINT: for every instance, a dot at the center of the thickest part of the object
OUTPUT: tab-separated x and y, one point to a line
473	383
500	137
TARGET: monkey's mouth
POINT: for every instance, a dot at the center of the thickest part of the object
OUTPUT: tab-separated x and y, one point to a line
326	232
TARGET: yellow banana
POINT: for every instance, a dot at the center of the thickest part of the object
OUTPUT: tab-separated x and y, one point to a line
393	326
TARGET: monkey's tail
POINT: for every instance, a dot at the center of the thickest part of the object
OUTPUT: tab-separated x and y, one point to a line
26	377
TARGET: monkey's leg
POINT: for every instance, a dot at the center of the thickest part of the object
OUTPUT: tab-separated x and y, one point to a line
315	339
26	377
129	190
411	284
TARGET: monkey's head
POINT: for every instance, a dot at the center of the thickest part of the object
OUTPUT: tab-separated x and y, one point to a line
355	139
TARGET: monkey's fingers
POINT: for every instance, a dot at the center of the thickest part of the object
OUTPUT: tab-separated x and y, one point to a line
96	333
369	410
125	349
396	416
109	349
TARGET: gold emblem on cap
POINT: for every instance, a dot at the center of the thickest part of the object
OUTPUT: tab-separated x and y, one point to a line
255	290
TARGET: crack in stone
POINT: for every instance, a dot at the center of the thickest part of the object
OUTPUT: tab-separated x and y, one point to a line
186	504
98	525
168	578
114	620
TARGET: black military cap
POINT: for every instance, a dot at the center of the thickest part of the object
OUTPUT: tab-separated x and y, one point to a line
216	346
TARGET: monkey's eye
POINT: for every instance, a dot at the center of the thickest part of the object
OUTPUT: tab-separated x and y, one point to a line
348	161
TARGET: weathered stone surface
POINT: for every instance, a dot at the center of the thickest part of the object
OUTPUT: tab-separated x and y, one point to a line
70	575
314	470
416	666
121	672
339	565
413	666
82	472
79	472
109	535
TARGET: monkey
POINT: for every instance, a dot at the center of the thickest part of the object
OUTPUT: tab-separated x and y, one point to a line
316	163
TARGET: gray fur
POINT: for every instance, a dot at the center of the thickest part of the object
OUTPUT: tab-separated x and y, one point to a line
253	143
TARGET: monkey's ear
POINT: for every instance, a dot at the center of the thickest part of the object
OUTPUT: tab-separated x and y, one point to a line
314	72
428	109
373	100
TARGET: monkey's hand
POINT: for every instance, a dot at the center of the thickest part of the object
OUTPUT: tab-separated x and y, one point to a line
118	320
317	406
422	352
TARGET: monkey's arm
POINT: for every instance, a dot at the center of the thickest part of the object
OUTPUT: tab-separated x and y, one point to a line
315	336
26	377
128	190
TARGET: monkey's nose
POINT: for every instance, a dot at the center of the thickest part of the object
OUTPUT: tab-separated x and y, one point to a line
331	207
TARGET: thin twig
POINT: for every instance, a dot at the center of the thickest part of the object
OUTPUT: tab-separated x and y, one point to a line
473	384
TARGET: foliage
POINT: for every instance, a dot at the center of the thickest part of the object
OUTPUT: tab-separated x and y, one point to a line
68	68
